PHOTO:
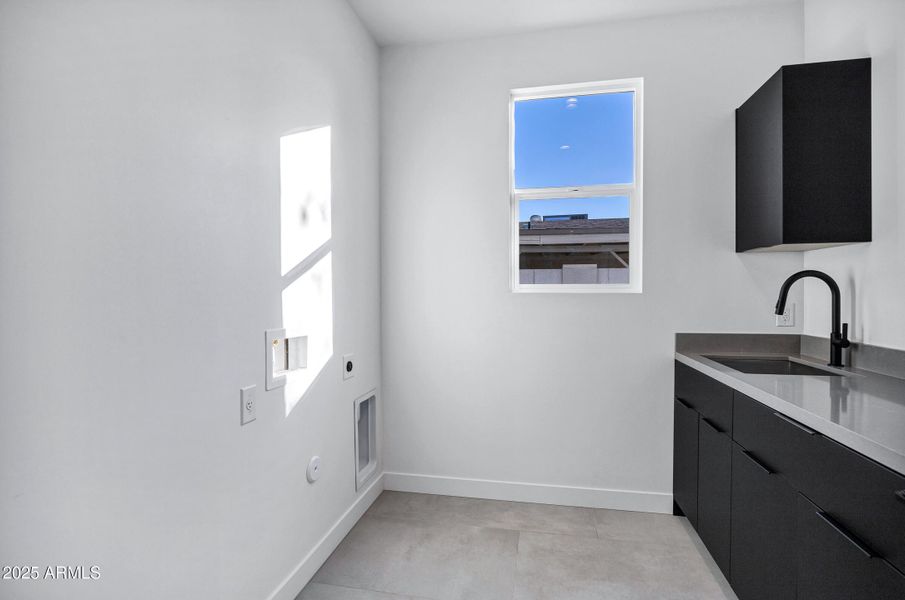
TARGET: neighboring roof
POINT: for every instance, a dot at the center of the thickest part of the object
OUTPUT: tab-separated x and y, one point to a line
576	226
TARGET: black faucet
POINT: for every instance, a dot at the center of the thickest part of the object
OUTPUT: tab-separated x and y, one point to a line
838	337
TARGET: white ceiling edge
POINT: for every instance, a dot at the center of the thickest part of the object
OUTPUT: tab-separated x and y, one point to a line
398	22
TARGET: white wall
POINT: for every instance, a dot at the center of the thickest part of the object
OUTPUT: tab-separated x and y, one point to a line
872	276
568	390
139	268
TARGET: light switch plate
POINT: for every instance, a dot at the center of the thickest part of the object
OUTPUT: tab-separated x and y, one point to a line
348	366
787	319
249	410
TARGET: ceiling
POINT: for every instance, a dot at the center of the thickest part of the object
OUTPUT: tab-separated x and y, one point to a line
423	21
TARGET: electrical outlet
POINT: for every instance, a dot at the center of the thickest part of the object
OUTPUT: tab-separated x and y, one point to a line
348	366
249	410
787	319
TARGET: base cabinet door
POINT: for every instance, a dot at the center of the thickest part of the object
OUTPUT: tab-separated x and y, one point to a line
763	530
714	491
685	461
835	565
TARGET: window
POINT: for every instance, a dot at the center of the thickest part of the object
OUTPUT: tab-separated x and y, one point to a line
575	158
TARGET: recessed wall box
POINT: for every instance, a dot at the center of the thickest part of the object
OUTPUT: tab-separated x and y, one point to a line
282	355
365	439
296	353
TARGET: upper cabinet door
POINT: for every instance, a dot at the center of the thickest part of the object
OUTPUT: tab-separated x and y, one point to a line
803	159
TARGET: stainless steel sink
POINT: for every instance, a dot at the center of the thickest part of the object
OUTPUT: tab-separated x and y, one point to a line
772	366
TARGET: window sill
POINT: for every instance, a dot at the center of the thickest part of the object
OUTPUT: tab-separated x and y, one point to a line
574	288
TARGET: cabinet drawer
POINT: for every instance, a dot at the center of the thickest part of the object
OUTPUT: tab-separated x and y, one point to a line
707	396
782	444
833	564
865	497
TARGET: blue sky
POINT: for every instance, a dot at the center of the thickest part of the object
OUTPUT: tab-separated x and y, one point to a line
574	141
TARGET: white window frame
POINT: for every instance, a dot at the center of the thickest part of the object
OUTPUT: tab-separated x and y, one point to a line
633	191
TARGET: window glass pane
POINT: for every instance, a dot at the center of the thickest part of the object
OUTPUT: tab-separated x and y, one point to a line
574	241
574	140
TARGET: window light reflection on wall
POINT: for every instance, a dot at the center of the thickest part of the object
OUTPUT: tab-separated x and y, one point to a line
306	263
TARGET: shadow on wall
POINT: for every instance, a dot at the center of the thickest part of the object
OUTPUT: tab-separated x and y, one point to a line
306	252
857	324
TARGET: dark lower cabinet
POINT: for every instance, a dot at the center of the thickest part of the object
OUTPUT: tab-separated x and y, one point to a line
685	461
763	530
865	497
714	491
786	513
835	565
710	398
791	449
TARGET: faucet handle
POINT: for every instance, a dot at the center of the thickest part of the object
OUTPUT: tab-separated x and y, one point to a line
843	341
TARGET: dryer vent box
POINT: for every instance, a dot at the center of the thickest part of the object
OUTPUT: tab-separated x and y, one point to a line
365	439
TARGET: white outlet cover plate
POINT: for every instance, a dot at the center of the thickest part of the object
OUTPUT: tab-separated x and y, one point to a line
787	319
347	373
248	408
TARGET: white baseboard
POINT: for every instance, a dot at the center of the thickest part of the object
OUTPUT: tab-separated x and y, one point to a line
305	570
655	502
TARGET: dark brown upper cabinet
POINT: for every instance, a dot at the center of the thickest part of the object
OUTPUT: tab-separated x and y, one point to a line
802	159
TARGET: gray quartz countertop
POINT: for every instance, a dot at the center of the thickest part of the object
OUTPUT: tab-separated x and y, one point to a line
861	409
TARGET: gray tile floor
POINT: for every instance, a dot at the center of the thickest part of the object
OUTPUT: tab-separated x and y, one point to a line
418	546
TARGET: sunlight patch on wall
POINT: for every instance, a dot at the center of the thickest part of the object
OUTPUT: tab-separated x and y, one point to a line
308	310
306	262
305	195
